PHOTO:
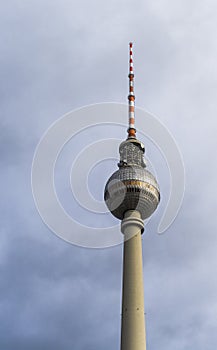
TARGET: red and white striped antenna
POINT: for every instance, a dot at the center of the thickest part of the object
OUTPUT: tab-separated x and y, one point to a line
131	96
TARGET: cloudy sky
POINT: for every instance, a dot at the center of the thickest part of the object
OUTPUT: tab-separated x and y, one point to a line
57	56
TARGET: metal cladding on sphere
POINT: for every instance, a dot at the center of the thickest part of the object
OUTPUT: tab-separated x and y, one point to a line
132	187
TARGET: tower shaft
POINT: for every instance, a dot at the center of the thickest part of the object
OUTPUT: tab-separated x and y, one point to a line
133	335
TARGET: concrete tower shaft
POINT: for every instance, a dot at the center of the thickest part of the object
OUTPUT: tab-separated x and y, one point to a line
133	336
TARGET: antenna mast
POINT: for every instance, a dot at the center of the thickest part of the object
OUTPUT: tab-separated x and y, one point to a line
131	96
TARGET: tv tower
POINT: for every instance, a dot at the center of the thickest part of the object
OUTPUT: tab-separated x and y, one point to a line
132	195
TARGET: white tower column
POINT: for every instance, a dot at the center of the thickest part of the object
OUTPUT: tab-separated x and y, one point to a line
133	335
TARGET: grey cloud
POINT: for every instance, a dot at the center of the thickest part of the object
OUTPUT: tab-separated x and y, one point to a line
57	57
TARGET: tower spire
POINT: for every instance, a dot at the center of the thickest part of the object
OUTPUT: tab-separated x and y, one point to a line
131	96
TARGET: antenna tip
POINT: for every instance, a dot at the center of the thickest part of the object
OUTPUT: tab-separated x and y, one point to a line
131	44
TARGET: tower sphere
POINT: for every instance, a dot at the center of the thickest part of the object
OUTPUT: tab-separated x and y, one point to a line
132	187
